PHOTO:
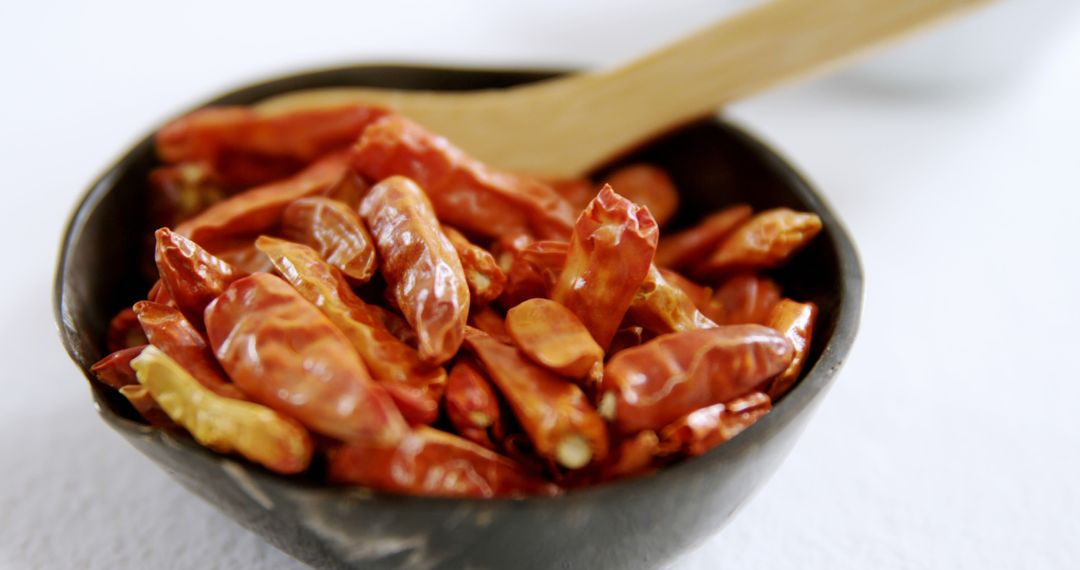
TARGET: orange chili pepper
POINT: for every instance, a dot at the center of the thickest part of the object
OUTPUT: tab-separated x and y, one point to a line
415	387
192	276
767	240
283	353
248	147
471	404
700	295
434	463
422	271
486	280
550	335
114	370
534	271
796	322
649	186
140	399
610	252
746	299
650	386
259	209
335	231
662	307
703	429
555	414
167	329
691	246
466	194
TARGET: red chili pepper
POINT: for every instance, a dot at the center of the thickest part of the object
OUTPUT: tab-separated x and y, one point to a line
466	194
192	276
691	246
534	271
650	386
746	299
491	322
550	335
611	250
471	404
433	463
422	271
249	147
115	369
796	322
486	280
259	209
282	352
661	307
335	231
415	387
767	240
167	329
648	186
181	191
555	414
703	429
633	456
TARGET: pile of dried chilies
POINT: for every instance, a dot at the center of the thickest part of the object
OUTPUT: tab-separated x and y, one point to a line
341	281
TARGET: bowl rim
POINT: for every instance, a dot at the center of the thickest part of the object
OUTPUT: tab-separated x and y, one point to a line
814	380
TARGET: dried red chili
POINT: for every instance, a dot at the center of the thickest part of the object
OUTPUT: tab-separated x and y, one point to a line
421	268
703	429
335	231
796	322
471	404
649	386
282	352
610	253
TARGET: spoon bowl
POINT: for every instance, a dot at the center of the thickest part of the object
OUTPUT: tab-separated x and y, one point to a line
642	522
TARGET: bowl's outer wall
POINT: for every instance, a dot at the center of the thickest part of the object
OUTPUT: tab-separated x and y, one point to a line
640	523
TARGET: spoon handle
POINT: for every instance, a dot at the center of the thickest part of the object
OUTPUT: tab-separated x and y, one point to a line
568	126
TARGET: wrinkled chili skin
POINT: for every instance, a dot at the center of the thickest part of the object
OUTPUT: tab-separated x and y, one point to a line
746	298
648	186
168	330
765	241
555	413
661	307
551	336
465	193
284	353
225	425
471	404
259	209
611	250
115	369
433	463
693	245
414	386
124	331
334	230
240	253
796	322
191	275
422	270
247	147
632	457
705	428
675	374
485	278
534	271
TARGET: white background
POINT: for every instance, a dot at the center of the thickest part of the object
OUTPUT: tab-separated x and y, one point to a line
951	438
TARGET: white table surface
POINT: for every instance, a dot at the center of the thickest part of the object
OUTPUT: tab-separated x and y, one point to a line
951	439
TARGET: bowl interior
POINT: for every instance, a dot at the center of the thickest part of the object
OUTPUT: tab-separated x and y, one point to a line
714	164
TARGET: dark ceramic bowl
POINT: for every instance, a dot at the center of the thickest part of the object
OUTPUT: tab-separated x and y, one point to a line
639	523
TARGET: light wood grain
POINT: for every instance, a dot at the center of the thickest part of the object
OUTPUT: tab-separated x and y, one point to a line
568	126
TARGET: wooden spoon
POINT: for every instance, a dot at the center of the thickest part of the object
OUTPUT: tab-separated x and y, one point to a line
567	126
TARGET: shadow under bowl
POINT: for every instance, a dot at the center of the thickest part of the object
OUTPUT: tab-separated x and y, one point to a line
639	523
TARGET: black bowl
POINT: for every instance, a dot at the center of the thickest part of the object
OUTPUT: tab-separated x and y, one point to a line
639	523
